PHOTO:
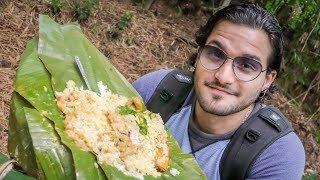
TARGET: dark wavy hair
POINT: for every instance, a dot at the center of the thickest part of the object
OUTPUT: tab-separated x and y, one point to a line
253	16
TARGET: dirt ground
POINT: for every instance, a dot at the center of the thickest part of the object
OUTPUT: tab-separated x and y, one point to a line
158	38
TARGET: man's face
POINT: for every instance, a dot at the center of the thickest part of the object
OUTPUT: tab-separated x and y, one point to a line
219	91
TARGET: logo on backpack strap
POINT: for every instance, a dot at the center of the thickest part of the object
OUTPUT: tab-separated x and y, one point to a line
183	78
274	116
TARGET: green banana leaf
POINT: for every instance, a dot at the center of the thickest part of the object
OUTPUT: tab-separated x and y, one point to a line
53	158
52	161
36	122
58	48
19	140
97	68
33	83
23	143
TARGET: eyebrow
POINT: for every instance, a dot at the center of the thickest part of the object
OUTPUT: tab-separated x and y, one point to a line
217	43
222	47
252	57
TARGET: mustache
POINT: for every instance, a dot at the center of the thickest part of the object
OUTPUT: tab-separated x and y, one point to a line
223	87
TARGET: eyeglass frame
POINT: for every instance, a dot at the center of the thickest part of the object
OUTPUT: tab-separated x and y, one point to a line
268	69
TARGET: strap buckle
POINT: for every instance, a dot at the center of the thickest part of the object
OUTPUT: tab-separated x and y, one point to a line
165	95
252	135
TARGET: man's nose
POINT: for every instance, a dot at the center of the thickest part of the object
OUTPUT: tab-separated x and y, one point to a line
225	74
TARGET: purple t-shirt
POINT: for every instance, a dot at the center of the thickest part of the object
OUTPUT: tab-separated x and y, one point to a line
283	160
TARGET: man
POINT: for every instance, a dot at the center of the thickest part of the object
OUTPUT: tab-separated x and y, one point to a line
240	51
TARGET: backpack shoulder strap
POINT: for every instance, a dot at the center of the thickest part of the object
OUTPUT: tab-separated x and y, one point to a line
171	93
250	140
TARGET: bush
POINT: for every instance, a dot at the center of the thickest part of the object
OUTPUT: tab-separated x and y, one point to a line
55	6
83	9
123	23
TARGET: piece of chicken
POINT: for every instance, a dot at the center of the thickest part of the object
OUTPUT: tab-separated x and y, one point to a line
162	158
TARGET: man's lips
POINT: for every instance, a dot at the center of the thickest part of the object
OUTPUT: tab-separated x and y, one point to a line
221	89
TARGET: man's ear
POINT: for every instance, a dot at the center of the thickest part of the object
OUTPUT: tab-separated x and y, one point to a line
270	77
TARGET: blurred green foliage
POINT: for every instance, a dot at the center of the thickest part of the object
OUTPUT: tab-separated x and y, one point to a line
125	20
301	26
55	6
83	8
310	177
123	23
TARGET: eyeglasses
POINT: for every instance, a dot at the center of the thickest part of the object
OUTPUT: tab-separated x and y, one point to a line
244	68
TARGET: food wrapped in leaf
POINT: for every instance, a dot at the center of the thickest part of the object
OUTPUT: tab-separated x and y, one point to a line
116	129
60	131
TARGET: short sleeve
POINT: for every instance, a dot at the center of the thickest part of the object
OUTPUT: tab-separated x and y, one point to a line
147	84
282	160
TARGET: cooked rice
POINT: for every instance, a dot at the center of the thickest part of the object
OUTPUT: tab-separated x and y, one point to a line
95	124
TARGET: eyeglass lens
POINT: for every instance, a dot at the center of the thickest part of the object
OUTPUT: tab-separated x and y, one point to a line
245	69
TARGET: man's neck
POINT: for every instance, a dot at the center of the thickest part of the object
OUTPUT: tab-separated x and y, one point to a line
214	124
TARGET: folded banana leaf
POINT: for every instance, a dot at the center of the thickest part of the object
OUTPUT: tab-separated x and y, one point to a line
34	85
19	140
37	139
43	156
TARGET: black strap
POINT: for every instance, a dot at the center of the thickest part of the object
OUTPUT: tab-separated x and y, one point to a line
249	141
171	93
